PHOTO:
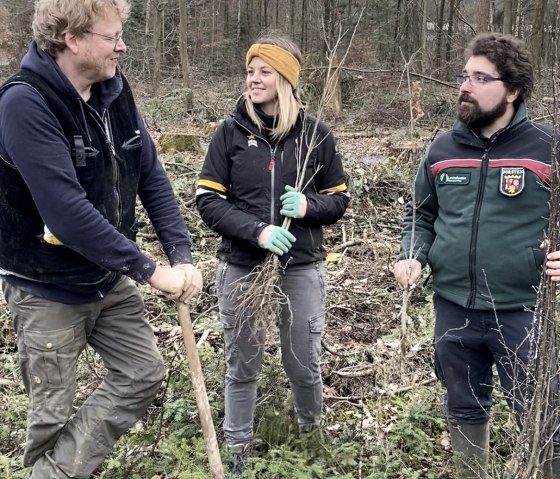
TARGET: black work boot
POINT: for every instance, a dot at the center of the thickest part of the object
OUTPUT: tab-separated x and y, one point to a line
471	444
240	455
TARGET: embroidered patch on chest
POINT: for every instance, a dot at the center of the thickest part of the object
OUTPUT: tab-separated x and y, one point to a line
512	181
453	178
251	141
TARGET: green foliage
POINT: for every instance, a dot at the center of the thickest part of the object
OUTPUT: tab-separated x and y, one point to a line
413	432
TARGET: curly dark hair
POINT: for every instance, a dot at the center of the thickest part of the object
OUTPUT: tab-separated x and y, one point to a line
511	57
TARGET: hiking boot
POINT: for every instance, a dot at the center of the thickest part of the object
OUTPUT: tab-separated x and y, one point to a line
240	455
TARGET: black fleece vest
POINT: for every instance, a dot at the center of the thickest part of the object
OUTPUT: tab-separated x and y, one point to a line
109	172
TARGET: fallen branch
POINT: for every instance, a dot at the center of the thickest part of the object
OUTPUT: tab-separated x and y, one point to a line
348	244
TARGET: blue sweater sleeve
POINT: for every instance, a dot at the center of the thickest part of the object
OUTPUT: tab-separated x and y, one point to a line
34	143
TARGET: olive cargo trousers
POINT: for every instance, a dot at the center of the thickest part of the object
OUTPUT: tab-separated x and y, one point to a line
50	338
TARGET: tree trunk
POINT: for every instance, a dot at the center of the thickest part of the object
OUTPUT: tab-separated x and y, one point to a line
238	28
303	41
226	19
248	17
397	32
483	20
424	38
157	30
334	94
439	33
537	35
450	27
148	20
508	12
183	53
332	86
293	18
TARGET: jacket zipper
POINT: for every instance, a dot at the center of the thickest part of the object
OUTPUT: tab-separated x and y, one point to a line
476	220
271	168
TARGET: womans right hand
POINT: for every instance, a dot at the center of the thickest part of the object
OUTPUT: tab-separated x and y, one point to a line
276	239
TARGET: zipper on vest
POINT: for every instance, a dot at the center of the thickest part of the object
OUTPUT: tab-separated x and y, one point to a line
116	180
105	124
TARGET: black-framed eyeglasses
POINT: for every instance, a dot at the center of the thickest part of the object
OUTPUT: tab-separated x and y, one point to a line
110	38
475	79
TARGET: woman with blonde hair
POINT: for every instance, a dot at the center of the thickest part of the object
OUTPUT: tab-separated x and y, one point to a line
245	189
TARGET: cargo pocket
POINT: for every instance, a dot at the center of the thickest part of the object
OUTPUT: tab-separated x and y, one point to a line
317	324
316	328
51	355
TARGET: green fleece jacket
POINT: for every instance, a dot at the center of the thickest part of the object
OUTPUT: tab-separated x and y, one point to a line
481	212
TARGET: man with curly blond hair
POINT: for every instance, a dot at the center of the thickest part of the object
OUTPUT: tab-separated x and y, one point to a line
74	156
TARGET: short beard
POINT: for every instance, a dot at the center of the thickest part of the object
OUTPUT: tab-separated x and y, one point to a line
474	117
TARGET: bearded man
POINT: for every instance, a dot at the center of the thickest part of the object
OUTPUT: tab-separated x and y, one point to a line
479	216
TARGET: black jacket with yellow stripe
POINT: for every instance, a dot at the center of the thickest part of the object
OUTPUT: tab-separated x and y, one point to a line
482	214
244	175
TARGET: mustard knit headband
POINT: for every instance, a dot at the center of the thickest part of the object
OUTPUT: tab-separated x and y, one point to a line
281	60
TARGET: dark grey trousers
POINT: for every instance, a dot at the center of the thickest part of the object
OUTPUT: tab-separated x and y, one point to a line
301	324
50	338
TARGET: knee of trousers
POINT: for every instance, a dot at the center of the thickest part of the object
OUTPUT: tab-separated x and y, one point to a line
241	377
152	375
304	377
145	380
241	370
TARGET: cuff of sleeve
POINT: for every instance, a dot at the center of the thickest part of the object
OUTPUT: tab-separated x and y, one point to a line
259	227
142	270
179	254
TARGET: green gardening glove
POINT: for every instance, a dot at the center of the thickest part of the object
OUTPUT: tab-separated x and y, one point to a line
294	203
276	239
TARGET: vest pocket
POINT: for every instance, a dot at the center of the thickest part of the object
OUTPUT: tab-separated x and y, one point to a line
132	143
51	354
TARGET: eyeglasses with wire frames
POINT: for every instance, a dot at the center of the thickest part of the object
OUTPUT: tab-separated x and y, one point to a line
109	38
475	79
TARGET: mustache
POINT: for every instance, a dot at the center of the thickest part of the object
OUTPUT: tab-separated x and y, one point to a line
466	98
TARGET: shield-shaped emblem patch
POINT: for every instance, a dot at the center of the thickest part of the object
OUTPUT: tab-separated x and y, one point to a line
512	181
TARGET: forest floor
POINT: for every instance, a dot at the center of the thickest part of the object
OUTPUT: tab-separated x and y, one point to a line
383	414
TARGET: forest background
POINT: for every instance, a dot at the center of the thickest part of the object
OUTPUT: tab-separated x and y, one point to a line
384	414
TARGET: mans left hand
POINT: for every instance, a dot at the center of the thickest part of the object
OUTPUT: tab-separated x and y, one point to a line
193	281
294	203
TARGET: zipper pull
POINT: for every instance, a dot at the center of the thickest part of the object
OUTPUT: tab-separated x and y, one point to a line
271	164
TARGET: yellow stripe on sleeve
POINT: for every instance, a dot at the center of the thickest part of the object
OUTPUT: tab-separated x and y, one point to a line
212	184
335	189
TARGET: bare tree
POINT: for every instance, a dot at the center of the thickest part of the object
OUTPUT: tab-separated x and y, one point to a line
450	26
483	20
508	12
439	32
537	35
156	27
424	37
183	51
